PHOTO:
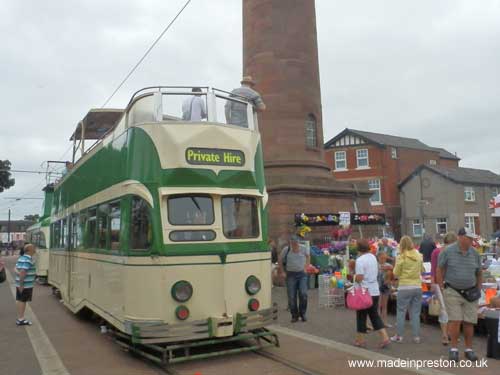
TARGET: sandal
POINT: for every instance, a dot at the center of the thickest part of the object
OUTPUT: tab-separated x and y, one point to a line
445	340
23	322
384	344
360	344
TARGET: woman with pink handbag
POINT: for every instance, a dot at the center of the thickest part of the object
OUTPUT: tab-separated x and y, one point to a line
365	295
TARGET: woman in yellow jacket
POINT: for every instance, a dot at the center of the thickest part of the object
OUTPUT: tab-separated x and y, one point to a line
409	266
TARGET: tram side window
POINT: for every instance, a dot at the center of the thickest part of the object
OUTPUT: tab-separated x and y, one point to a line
102	226
92	228
74	231
115	223
80	230
140	230
240	217
41	241
64	233
56	230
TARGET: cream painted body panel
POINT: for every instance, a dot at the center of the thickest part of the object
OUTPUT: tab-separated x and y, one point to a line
42	262
139	288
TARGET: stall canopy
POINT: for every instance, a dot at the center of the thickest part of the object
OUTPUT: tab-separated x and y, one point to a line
325	219
97	123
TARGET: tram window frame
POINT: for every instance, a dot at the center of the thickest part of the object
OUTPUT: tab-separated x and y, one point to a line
257	217
91	229
103	221
41	239
74	225
64	233
207	222
80	229
134	245
114	213
56	226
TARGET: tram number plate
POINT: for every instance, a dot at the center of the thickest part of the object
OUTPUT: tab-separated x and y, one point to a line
215	156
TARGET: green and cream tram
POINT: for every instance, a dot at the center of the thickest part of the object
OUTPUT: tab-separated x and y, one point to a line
39	235
160	228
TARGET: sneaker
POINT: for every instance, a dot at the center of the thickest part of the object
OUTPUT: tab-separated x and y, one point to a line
23	322
416	340
470	355
294	320
304	319
396	338
453	355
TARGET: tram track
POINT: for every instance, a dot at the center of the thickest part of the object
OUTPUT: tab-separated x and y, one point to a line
296	367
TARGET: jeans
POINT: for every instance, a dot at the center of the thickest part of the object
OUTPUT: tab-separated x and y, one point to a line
372	312
296	282
409	299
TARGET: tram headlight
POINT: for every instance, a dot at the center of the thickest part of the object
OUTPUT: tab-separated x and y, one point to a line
252	285
182	291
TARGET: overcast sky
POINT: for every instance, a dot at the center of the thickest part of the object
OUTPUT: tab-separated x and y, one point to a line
422	69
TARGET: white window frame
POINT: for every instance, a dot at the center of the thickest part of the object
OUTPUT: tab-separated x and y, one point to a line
379	189
358	158
417	224
470	223
340	160
469	194
495	191
441	221
432	162
394	152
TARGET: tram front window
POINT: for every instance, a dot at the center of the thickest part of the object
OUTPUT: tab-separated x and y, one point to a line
190	210
240	218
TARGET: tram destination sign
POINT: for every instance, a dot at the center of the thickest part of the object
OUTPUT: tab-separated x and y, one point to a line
215	156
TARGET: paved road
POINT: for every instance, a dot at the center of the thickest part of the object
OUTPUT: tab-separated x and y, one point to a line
78	347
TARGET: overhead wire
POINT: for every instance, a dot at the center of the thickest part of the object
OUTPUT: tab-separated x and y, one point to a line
146	54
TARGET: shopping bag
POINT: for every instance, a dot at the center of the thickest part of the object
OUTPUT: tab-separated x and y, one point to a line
359	298
434	306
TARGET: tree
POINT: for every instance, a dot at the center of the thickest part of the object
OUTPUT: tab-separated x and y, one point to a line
5	180
33	218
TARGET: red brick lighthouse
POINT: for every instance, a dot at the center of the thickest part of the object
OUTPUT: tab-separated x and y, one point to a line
280	51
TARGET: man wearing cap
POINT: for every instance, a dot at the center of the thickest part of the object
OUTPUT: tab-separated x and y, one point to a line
294	260
236	113
459	271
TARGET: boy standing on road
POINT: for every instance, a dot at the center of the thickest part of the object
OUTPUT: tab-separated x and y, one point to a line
25	280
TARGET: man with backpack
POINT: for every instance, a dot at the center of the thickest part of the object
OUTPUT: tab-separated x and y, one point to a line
293	260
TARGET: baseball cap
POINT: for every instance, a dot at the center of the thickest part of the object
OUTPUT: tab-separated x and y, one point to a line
467	233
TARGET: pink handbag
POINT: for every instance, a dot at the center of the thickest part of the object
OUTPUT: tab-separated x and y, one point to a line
359	298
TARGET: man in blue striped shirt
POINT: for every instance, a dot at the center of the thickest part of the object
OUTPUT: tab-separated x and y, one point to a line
25	281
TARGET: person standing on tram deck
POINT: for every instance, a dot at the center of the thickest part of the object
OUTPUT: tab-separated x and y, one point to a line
193	108
236	113
294	260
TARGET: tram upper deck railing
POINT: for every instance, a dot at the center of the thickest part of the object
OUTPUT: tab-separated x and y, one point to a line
168	103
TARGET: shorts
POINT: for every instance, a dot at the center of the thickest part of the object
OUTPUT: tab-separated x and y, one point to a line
25	296
458	308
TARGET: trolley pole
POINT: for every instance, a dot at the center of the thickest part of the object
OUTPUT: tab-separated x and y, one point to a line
8	230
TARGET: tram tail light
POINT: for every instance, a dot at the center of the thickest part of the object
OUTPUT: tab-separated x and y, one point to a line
182	312
252	285
253	304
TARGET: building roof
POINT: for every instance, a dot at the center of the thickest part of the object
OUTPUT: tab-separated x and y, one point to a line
445	154
459	175
392	140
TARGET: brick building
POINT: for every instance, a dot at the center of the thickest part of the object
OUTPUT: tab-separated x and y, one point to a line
17	230
383	161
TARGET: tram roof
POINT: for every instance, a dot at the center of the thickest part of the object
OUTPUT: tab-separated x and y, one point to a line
97	123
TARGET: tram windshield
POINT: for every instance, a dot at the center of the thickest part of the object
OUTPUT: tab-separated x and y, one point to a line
190	210
239	217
